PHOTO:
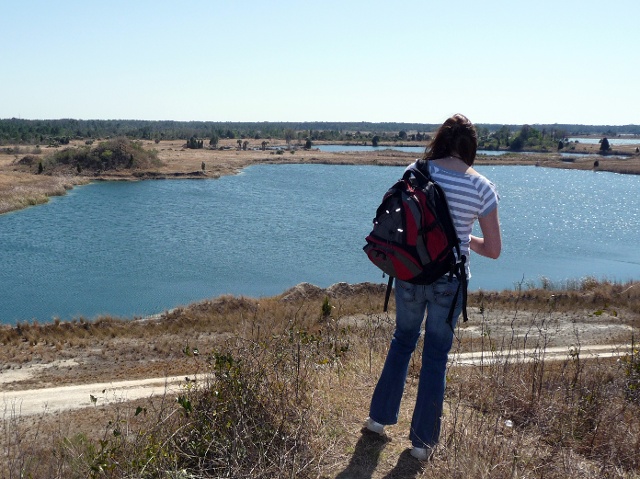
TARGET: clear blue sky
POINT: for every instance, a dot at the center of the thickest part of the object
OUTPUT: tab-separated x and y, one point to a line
548	61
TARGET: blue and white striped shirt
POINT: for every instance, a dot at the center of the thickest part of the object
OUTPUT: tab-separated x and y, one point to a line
469	197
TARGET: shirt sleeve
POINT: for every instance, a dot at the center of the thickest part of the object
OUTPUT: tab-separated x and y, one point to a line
489	196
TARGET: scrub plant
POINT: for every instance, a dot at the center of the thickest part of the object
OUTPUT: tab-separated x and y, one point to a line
250	416
631	365
326	307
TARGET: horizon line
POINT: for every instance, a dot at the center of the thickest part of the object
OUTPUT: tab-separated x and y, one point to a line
318	121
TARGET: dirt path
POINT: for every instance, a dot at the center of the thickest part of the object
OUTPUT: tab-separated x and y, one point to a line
64	398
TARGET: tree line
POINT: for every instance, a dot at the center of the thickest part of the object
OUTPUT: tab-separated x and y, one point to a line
60	131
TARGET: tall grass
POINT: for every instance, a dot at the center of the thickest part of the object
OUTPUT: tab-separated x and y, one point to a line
538	418
20	192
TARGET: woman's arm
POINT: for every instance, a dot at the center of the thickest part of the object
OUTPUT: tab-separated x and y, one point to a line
490	244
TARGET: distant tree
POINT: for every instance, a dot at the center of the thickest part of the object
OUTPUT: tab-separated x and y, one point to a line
503	135
239	144
230	135
517	144
604	145
308	144
402	135
560	145
289	135
194	144
528	136
264	145
525	132
375	140
482	131
213	141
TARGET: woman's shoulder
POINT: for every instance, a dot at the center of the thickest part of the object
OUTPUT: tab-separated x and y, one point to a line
462	170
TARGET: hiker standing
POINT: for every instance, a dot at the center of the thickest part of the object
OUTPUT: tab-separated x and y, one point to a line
448	159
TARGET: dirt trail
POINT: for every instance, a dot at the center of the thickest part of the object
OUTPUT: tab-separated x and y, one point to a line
64	398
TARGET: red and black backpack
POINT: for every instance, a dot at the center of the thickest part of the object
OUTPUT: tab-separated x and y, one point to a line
413	236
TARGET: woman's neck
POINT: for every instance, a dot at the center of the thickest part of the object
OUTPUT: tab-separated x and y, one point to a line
453	162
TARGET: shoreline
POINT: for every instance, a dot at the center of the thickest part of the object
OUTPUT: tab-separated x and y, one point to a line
21	186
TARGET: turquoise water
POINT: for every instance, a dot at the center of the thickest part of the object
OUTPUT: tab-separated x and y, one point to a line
133	249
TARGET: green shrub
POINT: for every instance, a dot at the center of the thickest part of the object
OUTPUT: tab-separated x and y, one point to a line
108	155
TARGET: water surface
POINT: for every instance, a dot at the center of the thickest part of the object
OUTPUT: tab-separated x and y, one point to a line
139	248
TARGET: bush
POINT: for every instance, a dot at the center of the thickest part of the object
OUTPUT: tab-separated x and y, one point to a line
108	155
249	418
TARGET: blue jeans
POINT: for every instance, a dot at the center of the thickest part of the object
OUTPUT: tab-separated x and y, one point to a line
411	302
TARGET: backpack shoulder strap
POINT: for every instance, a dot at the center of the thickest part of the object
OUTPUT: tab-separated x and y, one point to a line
461	274
420	170
387	295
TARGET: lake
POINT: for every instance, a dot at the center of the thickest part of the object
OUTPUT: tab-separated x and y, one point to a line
138	248
613	141
420	150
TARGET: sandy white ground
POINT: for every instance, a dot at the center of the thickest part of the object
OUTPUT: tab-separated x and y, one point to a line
64	398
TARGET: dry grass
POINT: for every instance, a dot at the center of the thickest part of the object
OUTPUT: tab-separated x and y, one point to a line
19	191
287	385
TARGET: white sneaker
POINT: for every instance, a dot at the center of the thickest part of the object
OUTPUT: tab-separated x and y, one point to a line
422	453
373	426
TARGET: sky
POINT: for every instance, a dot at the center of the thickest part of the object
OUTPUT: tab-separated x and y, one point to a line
417	61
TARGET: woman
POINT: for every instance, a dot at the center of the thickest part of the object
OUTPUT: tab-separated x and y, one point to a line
449	159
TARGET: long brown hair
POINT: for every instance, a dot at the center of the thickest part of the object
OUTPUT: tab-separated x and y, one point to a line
457	136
